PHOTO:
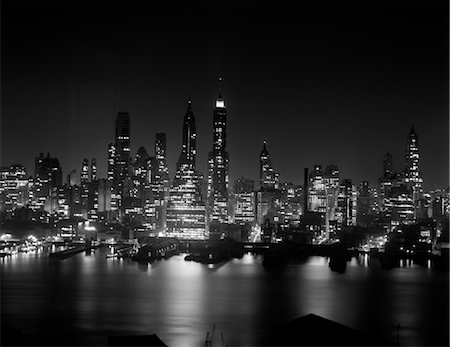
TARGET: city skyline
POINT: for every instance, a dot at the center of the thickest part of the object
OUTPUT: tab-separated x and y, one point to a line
343	96
76	173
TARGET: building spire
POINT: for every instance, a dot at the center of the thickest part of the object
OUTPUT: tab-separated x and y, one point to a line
412	131
219	101
220	87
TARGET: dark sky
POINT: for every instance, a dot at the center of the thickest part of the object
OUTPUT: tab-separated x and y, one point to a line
322	82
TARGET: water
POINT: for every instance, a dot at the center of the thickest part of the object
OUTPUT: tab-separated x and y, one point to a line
83	299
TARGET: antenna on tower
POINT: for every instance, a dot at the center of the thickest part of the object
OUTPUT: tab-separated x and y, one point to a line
220	87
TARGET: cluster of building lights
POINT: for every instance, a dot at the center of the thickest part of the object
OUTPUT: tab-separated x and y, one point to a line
138	193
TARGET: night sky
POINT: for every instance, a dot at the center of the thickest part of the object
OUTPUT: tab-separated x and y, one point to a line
322	82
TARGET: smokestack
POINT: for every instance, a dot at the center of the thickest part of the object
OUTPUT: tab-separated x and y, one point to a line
305	192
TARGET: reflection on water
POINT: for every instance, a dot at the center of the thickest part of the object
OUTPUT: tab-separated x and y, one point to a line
85	298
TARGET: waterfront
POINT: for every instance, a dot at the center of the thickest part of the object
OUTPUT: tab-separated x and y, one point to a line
85	298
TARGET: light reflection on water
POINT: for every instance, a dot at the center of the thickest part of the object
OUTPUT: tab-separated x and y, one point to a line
88	297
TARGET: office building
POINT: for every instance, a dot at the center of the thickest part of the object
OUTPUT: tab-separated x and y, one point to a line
218	167
412	174
244	210
13	189
162	182
346	205
111	161
122	150
93	170
186	214
269	179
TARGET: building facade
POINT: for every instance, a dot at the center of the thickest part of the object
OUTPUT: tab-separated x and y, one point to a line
218	165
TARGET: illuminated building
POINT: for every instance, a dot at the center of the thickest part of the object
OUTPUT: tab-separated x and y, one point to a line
137	198
399	204
189	148
317	193
346	205
84	173
162	183
323	190
364	204
218	166
104	195
111	161
13	188
186	217
140	173
92	203
269	179
48	176
244	192
290	204
268	202
74	201
84	186
385	181
62	203
48	171
186	211
268	197
412	174
132	211
145	187
331	180
93	170
122	150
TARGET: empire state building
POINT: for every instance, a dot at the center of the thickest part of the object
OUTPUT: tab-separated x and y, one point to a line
218	166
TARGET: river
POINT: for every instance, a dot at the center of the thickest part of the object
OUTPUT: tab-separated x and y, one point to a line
83	299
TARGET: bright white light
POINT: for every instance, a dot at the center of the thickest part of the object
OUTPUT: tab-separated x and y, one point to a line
5	237
32	238
220	103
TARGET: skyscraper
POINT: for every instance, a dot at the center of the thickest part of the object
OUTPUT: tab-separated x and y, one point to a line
387	165
162	181
269	179
84	186
84	173
122	149
364	204
93	169
218	166
268	197
346	205
413	178
111	161
317	193
244	190
48	176
13	188
188	151
385	181
186	208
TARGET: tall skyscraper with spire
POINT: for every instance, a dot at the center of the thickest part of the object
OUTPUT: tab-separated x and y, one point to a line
412	174
269	179
186	218
189	148
218	165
